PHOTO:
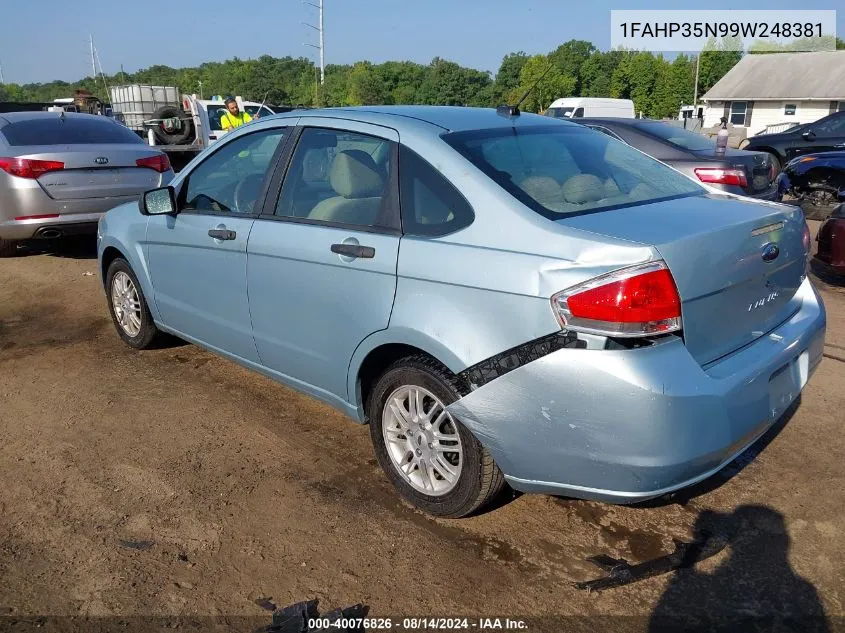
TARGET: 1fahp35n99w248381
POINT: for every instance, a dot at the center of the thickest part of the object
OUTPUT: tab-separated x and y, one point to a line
503	298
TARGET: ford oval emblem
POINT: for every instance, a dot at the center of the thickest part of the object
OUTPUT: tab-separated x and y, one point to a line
101	160
770	252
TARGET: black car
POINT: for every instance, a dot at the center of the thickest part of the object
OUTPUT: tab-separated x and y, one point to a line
736	171
824	135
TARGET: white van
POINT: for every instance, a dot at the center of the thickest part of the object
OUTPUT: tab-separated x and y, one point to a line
577	107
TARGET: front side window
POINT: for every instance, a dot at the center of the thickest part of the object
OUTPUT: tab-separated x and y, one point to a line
339	177
217	112
833	126
561	170
738	110
430	204
560	113
229	181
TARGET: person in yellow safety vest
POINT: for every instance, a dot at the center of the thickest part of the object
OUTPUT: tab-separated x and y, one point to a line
233	117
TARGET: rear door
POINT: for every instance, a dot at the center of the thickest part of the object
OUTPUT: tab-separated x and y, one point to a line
322	256
197	259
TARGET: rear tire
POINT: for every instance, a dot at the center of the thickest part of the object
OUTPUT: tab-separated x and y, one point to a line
478	479
128	307
8	248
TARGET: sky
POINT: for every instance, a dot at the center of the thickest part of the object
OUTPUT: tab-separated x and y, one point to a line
42	40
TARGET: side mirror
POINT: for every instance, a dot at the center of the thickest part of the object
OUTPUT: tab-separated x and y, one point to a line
809	135
160	201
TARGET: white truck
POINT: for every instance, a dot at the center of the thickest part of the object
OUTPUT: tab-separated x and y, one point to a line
578	107
179	125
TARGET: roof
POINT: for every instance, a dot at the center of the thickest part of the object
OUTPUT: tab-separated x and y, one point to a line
449	118
14	117
800	76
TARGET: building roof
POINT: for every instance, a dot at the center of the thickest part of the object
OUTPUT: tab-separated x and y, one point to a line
800	76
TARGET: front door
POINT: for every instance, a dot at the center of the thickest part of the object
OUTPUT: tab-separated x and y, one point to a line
197	258
321	271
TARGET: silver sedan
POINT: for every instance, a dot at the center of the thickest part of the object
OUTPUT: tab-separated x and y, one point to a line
59	172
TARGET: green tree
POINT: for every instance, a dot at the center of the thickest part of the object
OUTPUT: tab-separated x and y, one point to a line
569	57
365	85
546	82
717	59
508	76
447	83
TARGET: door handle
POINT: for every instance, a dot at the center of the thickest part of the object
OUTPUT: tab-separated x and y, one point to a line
354	250
222	234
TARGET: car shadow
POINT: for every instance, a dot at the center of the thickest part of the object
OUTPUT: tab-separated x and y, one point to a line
824	274
732	469
753	588
74	247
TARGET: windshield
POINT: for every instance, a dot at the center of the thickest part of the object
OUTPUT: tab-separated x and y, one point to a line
215	112
559	113
676	135
69	130
561	170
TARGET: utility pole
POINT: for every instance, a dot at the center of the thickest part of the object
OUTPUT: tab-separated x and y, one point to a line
321	47
1	74
695	98
93	63
200	85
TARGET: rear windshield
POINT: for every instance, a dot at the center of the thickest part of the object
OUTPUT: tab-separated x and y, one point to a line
81	130
216	113
560	170
676	135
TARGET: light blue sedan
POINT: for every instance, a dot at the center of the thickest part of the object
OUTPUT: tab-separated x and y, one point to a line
502	297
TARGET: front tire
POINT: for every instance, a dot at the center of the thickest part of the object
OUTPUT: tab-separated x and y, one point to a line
429	456
128	307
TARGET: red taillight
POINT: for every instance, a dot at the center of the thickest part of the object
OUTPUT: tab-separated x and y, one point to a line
637	301
28	167
159	162
772	172
720	176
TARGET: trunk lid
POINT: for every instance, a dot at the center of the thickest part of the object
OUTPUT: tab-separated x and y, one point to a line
757	166
714	246
102	171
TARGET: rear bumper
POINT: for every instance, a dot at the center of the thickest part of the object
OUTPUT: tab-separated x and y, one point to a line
831	249
629	425
74	216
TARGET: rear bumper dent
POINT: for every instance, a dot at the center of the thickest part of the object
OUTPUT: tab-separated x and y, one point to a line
630	425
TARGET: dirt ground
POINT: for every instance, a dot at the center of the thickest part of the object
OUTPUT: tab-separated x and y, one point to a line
175	483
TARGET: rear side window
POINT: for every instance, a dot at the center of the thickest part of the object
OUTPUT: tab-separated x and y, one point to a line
82	130
431	205
565	169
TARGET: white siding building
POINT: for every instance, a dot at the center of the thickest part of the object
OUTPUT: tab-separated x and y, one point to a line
766	91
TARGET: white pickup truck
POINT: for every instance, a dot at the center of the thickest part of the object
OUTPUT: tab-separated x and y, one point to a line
179	125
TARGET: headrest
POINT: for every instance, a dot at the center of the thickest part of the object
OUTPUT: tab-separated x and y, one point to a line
583	188
355	175
543	189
